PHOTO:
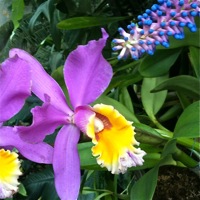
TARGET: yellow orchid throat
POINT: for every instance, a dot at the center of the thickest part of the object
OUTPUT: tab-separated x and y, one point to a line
114	140
9	173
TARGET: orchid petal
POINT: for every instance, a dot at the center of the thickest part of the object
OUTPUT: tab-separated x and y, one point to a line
43	85
66	163
86	72
14	87
84	116
40	153
46	119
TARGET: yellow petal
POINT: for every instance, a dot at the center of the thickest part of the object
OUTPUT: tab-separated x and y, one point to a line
9	173
114	143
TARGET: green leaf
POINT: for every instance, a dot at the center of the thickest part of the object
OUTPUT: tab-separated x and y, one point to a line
88	161
125	99
184	84
55	60
41	184
22	190
171	112
123	80
118	106
17	12
42	9
152	102
169	148
85	22
188	123
194	59
148	130
59	77
144	188
160	63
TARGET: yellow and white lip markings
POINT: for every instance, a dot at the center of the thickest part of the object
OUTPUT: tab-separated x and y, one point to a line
114	140
9	173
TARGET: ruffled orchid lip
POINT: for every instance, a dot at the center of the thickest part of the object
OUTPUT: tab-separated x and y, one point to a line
112	135
114	145
9	173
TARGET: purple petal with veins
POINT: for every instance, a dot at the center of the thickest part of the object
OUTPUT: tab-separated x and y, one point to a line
40	153
15	86
46	119
66	163
43	85
87	73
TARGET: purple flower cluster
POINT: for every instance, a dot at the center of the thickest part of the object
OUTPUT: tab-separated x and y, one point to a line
167	18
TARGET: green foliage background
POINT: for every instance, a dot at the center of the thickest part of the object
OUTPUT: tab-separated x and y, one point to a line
159	93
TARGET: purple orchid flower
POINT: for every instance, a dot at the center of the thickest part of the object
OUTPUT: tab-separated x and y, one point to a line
15	87
86	74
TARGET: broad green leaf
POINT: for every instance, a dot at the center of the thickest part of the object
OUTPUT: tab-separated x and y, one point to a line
88	161
17	12
152	102
194	59
184	84
144	188
41	185
118	106
160	63
188	123
125	99
85	22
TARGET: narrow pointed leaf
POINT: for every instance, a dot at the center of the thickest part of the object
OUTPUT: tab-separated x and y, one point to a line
17	11
85	22
194	59
160	63
184	84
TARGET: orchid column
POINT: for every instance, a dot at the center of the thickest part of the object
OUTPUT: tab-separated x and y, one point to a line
167	18
87	74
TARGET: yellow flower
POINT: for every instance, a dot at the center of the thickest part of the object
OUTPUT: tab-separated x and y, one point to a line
114	139
9	173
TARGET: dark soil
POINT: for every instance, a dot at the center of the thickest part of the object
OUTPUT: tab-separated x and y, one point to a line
175	183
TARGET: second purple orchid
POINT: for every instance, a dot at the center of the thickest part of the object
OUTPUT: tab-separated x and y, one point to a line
87	75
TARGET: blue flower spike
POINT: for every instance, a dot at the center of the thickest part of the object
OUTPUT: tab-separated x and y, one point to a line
167	18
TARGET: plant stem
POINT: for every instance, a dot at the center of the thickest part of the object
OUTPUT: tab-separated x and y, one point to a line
185	159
